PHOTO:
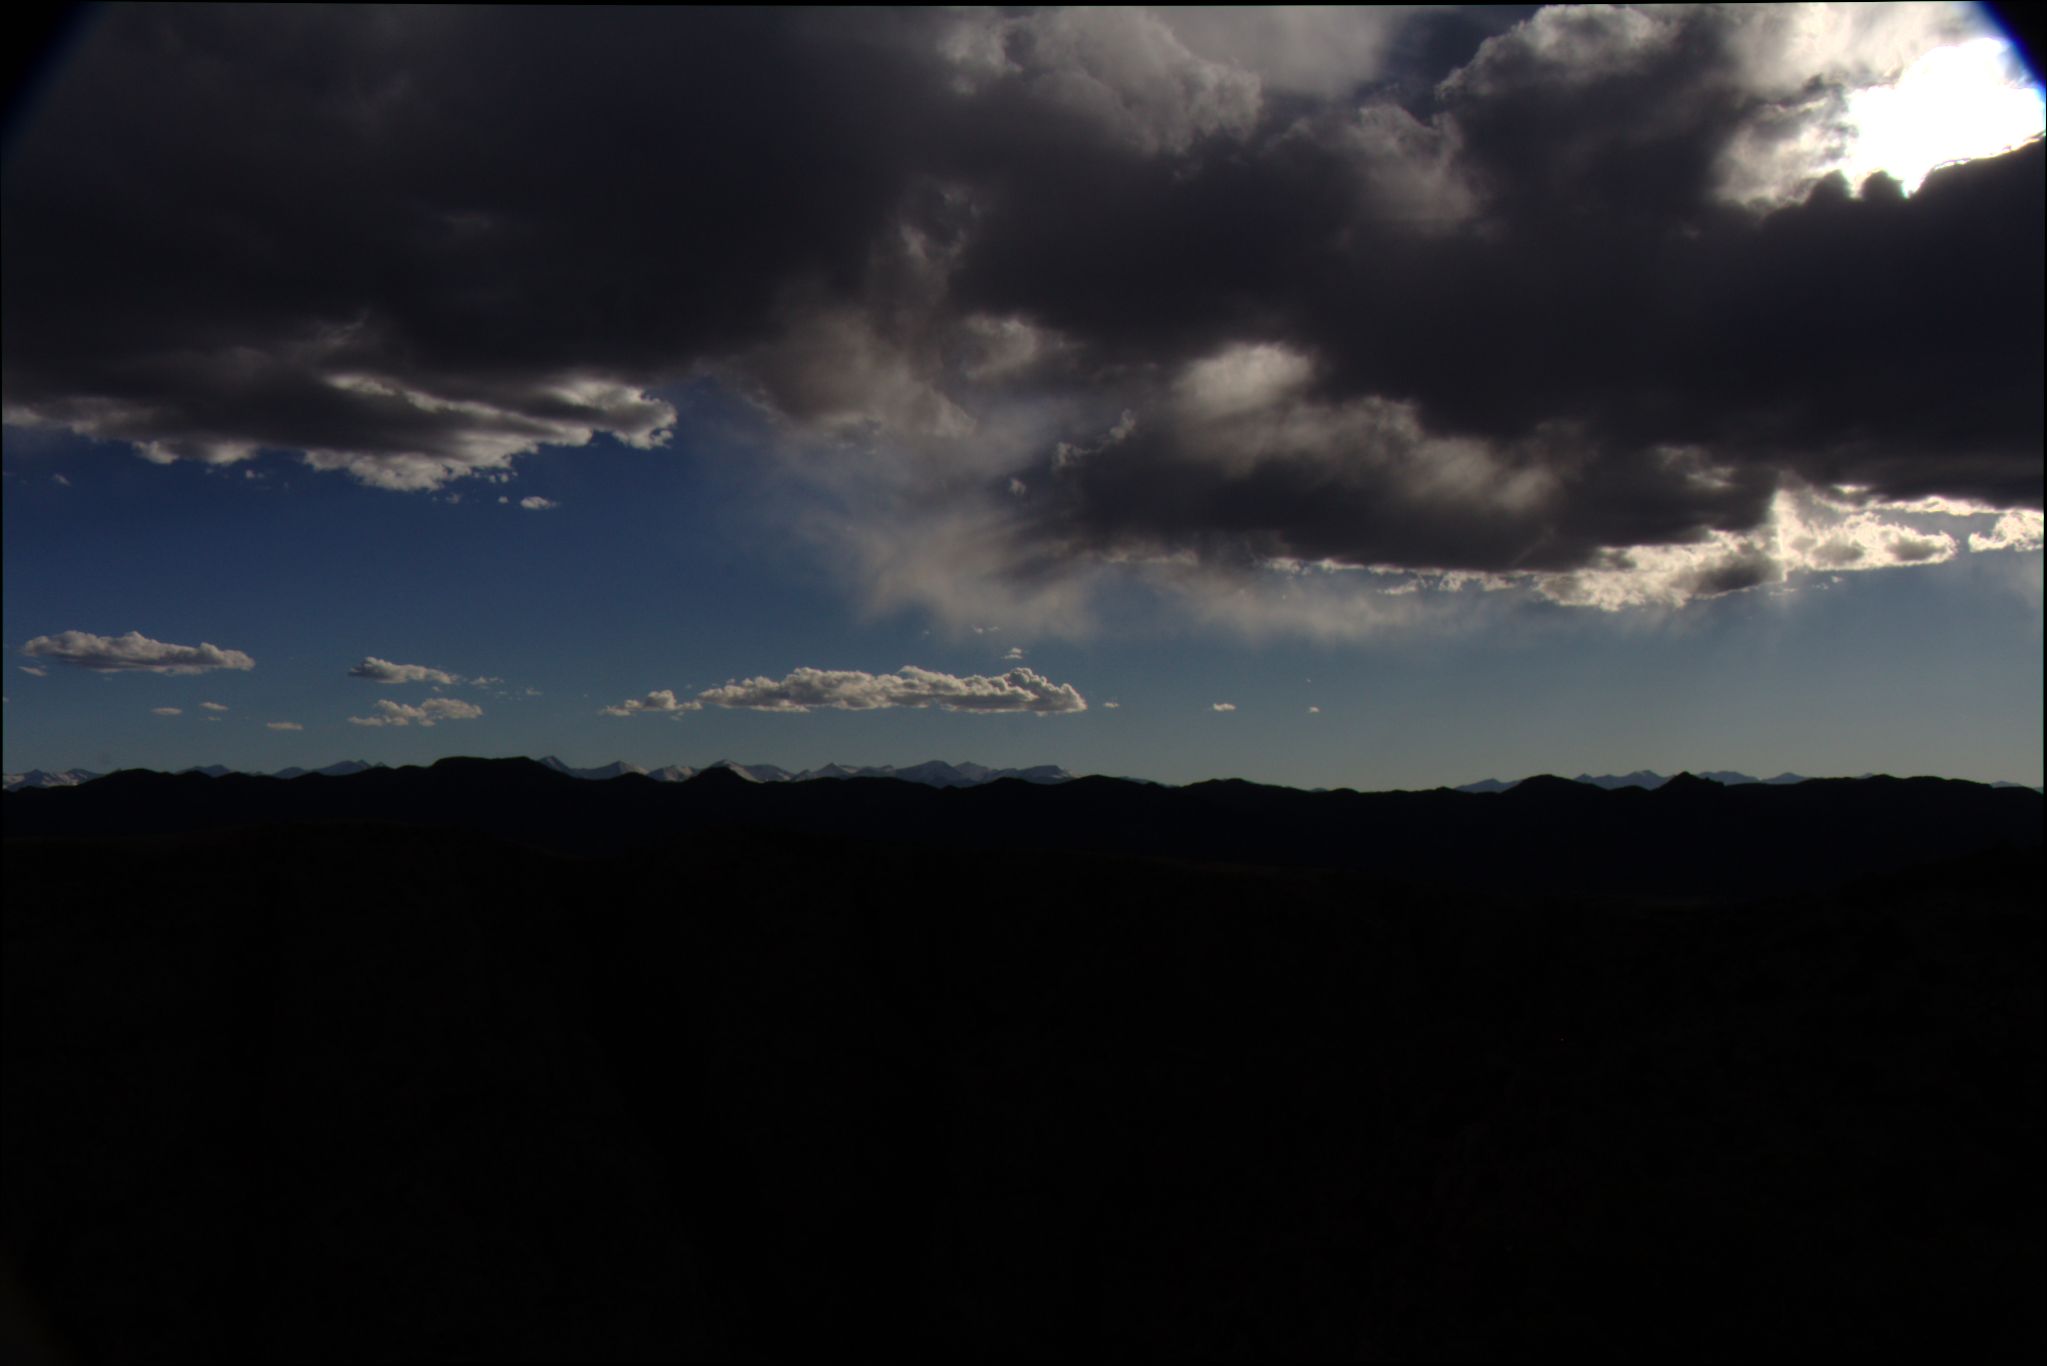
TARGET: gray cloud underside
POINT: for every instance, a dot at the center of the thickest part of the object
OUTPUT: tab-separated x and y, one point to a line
133	651
1377	296
802	690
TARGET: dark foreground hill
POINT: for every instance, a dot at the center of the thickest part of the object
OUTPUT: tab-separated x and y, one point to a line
485	1065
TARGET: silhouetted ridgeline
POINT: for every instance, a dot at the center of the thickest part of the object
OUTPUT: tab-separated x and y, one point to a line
481	1062
1689	837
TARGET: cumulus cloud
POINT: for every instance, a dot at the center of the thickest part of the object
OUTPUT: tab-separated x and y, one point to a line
283	725
427	713
1019	690
2020	529
384	671
802	690
133	651
1222	706
1563	302
213	706
166	711
536	503
660	700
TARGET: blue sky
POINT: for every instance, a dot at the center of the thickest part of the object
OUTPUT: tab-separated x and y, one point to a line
1253	534
654	571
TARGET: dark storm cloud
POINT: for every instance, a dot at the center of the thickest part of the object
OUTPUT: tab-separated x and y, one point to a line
427	237
1601	317
1508	320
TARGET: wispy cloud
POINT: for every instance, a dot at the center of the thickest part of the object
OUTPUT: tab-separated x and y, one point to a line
282	725
213	706
166	711
134	651
1222	706
536	503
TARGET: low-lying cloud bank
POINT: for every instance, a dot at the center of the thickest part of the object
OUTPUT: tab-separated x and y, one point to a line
133	651
802	690
1040	304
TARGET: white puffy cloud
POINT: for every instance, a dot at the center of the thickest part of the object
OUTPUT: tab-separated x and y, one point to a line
384	671
536	503
802	690
434	709
109	654
660	700
166	711
2019	529
1222	706
213	706
1018	690
284	725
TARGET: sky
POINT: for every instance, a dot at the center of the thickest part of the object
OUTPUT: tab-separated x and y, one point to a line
1374	398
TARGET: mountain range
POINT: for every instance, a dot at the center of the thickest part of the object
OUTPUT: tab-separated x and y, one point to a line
1643	778
1686	837
931	773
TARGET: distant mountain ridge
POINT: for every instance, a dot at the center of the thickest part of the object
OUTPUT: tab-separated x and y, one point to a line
37	777
931	773
1687	837
1644	778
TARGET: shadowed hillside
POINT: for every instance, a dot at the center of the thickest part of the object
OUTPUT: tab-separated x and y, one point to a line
486	1063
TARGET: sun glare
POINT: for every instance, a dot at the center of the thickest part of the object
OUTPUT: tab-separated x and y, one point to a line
1956	103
